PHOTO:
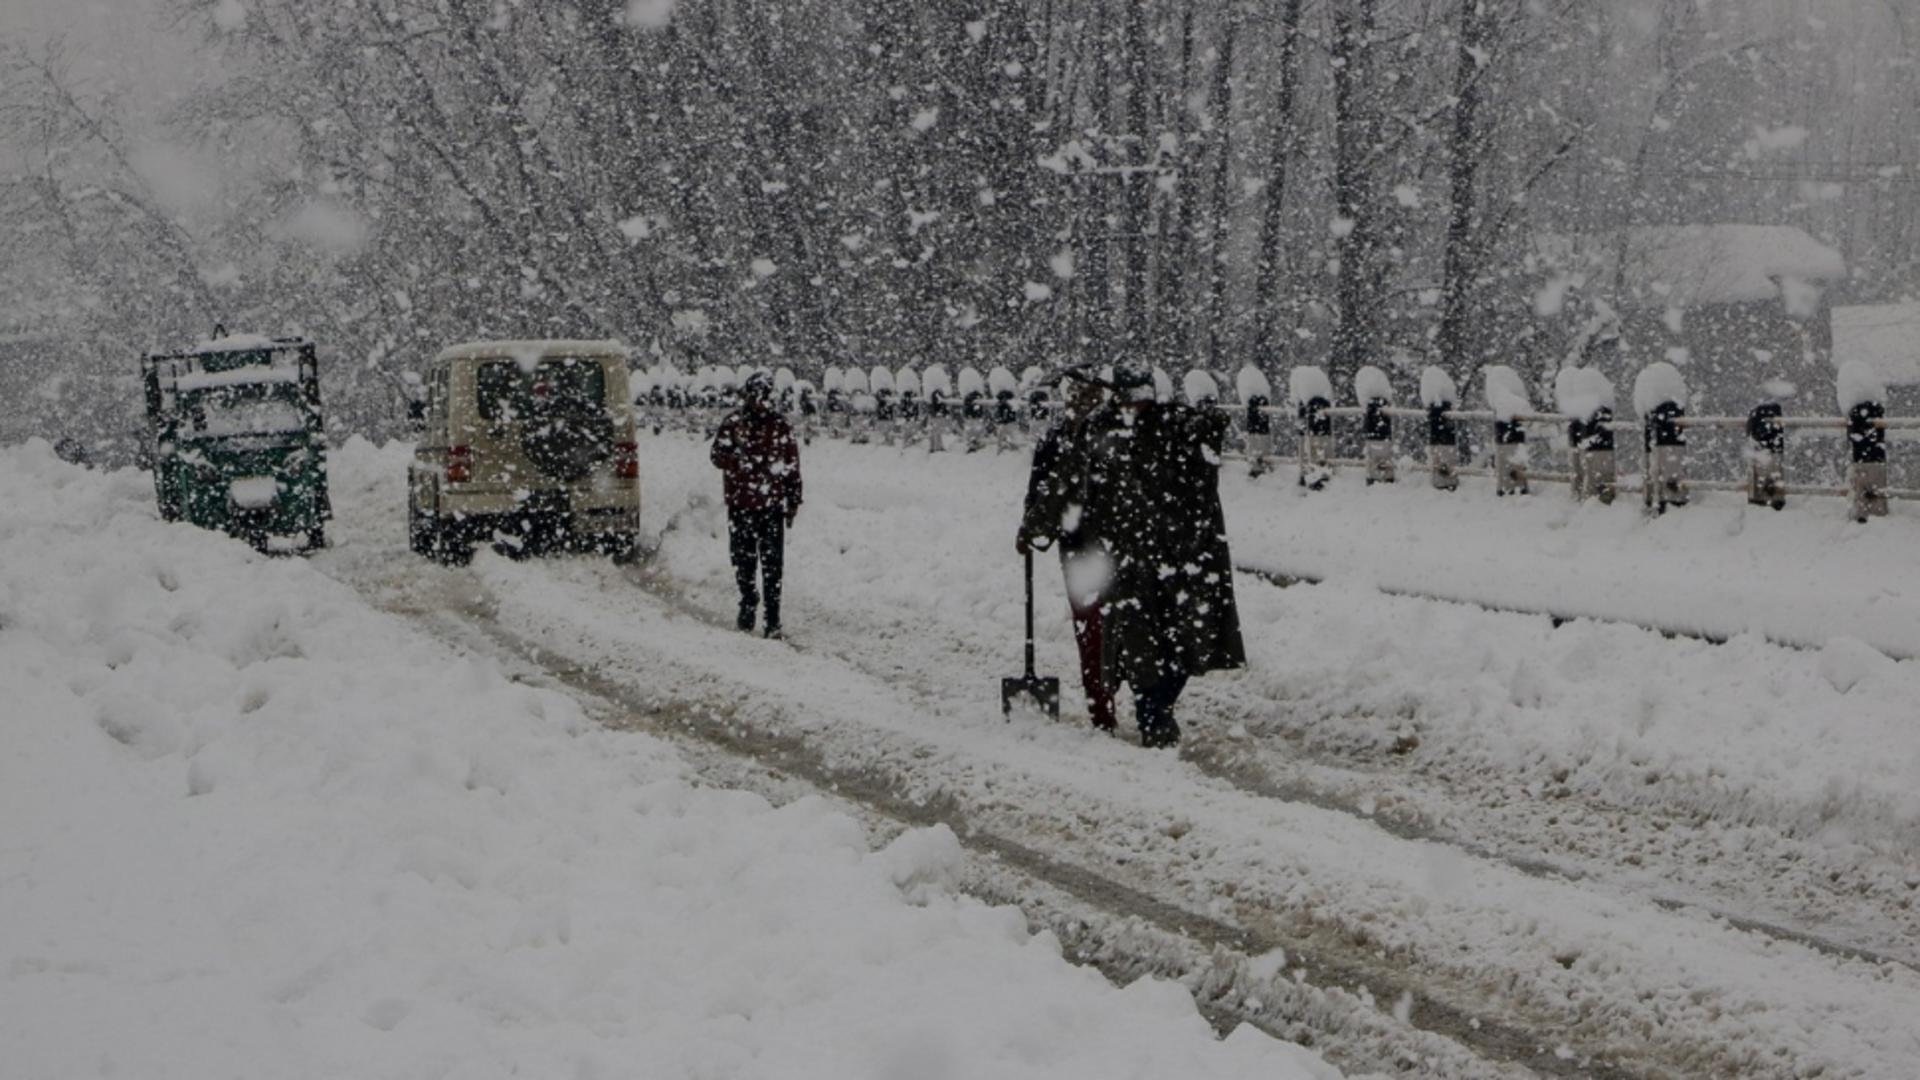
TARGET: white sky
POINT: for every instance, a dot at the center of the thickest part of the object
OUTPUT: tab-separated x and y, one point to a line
126	44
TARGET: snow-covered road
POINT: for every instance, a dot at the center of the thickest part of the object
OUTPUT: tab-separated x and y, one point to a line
1596	843
253	825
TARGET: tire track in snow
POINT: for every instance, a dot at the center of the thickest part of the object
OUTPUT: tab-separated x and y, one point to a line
1209	757
1186	946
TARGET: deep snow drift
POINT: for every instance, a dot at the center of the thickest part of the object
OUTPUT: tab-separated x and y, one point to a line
255	827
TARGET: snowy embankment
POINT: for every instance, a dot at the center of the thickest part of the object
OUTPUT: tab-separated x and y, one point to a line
255	827
1813	741
1806	576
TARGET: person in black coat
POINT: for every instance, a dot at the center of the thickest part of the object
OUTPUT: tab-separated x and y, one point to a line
1152	497
1054	518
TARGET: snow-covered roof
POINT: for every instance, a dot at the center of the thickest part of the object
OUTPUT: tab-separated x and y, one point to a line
233	343
1685	265
1883	336
482	350
252	375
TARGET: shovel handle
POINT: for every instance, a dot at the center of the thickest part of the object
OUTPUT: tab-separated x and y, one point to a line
1029	561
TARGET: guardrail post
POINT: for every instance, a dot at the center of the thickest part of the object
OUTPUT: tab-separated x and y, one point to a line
1766	460
1867	475
1316	443
1259	435
1377	429
1591	446
1509	458
1666	442
1443	447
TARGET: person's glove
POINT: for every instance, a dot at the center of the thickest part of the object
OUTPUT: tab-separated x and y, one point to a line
792	512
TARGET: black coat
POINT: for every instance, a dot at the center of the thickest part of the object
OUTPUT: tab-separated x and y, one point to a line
1056	488
1153	500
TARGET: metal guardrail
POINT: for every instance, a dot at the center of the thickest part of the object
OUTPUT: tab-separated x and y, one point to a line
1590	444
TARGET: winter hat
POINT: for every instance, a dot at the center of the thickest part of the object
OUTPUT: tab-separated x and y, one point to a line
1132	381
758	385
1131	375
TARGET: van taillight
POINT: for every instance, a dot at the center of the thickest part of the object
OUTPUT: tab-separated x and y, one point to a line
459	464
626	460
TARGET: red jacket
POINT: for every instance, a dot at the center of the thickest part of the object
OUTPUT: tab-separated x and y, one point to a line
755	452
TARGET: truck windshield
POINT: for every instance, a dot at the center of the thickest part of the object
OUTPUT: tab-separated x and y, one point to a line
247	409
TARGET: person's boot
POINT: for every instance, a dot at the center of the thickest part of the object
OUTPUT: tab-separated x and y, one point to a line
745	619
772	630
1164	735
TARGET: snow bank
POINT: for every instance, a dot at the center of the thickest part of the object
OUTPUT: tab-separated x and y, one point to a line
1506	392
1657	384
1198	386
1372	384
1252	383
1859	382
255	828
1581	392
1437	388
1306	383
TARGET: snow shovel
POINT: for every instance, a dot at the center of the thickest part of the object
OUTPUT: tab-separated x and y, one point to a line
1045	693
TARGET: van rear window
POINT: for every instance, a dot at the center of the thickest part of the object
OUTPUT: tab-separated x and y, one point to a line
507	392
502	391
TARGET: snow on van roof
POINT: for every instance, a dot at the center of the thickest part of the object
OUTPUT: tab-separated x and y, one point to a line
1683	265
479	350
1886	337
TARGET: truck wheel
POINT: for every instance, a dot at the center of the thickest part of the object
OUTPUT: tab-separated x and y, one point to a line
622	547
316	539
420	536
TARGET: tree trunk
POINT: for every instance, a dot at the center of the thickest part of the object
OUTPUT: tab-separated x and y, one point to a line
1137	196
1467	144
1356	134
1267	283
1222	190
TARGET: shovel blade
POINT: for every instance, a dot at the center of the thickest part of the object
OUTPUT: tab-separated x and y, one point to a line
1043	692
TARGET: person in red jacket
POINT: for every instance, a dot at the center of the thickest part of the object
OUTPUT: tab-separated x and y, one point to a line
760	463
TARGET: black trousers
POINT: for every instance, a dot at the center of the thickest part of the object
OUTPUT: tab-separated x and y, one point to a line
757	540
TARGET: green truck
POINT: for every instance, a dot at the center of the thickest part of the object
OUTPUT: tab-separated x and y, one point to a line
236	440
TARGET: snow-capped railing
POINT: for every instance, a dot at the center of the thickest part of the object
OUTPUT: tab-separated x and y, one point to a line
1586	414
1002	411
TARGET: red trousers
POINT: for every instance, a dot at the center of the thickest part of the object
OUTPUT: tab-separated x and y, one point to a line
1086	634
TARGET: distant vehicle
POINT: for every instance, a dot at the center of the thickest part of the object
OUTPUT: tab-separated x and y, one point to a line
528	445
236	440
